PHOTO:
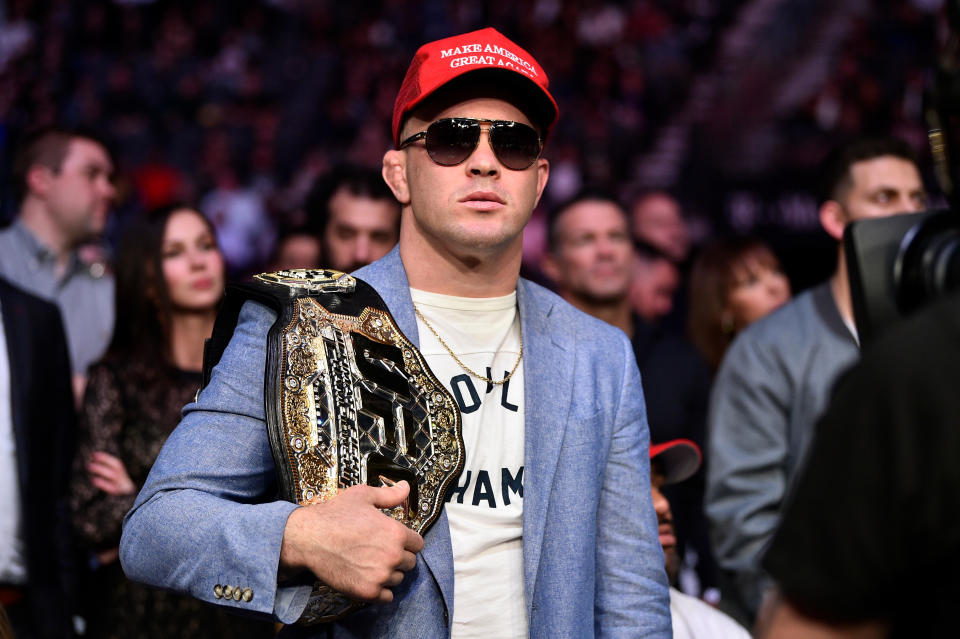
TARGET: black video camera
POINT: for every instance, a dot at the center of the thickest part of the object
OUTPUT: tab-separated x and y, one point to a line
897	264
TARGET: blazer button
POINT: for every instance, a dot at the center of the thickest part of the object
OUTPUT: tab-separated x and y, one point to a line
237	593
227	592
247	595
218	591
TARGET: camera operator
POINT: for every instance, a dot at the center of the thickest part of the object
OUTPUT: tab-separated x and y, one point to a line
870	542
777	375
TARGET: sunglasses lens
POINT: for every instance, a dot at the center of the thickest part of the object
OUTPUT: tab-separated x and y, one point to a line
451	141
517	145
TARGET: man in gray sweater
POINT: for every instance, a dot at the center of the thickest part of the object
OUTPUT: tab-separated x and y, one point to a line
776	377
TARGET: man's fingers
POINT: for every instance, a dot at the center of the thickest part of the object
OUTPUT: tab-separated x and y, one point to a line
385	596
407	562
390	496
413	542
395	579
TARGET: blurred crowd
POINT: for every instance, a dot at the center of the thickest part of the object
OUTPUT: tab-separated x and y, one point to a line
239	106
246	136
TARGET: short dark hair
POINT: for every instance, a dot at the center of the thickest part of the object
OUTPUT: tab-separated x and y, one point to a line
837	179
358	181
46	146
588	193
637	194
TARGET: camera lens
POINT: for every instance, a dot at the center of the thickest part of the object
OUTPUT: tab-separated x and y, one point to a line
928	261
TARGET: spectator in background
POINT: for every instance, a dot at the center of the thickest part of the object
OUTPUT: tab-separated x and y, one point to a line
170	280
64	181
590	257
296	248
37	431
356	216
673	462
654	284
777	375
590	260
734	281
239	215
657	219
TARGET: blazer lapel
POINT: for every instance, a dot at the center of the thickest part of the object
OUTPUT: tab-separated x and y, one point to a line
548	391
389	279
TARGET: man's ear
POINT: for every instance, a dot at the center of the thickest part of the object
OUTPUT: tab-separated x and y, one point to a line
543	173
833	219
395	175
38	179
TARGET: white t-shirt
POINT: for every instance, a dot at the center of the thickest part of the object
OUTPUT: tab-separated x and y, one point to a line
485	509
13	565
695	619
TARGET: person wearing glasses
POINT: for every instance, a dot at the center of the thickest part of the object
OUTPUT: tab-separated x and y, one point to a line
549	531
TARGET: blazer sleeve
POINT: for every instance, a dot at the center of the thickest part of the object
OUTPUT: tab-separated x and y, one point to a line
632	599
748	446
209	513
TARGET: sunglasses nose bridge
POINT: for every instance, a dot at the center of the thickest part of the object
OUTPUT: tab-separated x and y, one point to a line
483	158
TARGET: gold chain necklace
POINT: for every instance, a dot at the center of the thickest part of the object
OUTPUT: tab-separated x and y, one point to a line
460	362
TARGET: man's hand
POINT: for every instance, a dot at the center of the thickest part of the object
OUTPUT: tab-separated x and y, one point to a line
350	545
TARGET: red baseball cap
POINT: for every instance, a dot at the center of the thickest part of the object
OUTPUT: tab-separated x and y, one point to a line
679	458
437	63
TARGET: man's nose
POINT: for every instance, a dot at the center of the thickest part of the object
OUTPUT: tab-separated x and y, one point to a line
483	161
108	189
660	504
361	249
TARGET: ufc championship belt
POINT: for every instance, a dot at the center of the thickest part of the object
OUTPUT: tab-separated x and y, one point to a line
349	400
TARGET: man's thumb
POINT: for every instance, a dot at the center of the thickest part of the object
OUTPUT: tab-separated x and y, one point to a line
391	493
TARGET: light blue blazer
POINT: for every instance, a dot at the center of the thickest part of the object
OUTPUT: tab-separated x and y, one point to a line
208	514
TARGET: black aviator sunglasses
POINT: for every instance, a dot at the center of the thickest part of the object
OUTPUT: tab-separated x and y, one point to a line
450	141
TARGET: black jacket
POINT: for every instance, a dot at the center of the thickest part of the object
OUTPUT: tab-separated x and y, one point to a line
44	429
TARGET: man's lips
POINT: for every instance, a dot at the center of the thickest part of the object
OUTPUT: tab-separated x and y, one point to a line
667	537
483	200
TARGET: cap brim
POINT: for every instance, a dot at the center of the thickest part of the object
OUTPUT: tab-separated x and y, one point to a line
679	459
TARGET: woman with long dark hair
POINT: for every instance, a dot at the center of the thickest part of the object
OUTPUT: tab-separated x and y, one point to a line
169	282
734	281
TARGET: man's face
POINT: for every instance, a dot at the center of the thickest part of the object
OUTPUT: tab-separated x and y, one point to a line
476	208
655	281
359	230
592	258
79	195
883	186
668	538
298	251
657	220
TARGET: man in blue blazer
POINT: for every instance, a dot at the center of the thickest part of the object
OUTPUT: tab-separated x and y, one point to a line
550	530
